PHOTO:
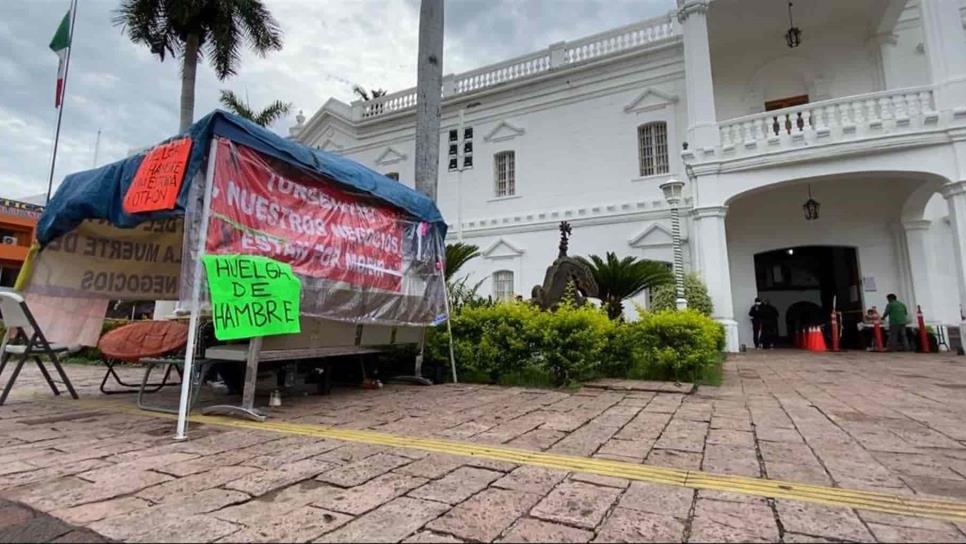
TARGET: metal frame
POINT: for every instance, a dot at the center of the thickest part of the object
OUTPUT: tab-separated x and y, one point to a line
184	404
134	387
35	340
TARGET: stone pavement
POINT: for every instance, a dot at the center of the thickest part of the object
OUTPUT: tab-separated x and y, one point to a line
879	422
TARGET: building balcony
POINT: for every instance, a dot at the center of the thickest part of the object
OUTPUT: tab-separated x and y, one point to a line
631	38
827	124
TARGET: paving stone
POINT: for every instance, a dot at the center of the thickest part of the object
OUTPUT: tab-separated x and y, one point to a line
35	529
726	496
733	460
261	482
684	460
89	513
534	530
485	515
819	520
350	453
271	505
891	533
146	462
433	466
537	439
429	537
173	490
362	471
596	479
292	453
361	499
719	521
80	536
390	522
58	494
576	503
730	437
531	479
777	434
49	474
658	499
635	449
625	525
302	525
456	486
683	436
165	528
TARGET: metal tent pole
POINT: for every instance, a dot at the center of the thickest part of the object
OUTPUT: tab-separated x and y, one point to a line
189	359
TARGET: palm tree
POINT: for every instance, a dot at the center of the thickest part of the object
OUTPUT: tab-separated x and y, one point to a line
367	96
621	279
457	255
273	112
191	29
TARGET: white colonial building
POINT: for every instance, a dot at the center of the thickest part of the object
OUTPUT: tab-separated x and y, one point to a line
867	116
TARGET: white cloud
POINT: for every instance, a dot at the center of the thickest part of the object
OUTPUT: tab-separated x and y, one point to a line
121	89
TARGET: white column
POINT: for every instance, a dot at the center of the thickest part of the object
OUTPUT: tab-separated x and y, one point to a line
709	228
945	45
702	121
917	247
955	195
876	46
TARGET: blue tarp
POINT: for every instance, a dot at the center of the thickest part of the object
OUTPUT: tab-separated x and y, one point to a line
98	193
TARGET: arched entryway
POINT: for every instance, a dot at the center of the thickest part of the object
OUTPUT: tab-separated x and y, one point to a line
805	283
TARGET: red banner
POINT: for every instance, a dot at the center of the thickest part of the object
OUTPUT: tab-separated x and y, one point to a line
292	217
158	179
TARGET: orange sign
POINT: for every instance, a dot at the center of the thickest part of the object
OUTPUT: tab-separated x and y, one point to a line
158	179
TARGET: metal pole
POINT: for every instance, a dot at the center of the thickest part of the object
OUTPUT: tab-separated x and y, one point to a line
681	302
459	177
429	82
63	101
97	148
449	329
196	295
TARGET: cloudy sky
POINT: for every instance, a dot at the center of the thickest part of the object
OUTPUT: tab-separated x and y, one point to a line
132	98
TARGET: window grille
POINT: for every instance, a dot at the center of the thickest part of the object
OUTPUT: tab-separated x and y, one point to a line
505	173
652	144
503	285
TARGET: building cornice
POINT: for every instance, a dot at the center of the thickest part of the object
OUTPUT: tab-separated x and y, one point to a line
690	7
709	211
602	214
954	188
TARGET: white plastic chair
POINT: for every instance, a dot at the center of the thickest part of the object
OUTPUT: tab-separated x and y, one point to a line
17	317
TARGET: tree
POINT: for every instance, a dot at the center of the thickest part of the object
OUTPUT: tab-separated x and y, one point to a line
365	95
192	29
273	112
457	255
695	292
620	279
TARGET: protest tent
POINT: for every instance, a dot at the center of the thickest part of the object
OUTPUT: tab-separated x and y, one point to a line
359	247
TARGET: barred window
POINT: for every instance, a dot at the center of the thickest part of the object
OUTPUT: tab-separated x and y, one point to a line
505	169
503	285
652	144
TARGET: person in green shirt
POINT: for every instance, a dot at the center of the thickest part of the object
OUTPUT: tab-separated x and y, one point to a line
898	317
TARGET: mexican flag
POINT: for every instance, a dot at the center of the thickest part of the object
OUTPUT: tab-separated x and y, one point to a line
60	44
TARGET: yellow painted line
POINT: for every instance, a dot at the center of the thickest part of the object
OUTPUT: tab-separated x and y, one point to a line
951	510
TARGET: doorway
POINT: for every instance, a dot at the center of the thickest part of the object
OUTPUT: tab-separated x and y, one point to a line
804	282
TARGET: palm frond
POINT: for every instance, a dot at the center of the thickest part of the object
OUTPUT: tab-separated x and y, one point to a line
620	279
233	103
457	255
273	112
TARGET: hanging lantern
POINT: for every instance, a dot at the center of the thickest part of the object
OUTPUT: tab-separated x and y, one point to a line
811	207
794	36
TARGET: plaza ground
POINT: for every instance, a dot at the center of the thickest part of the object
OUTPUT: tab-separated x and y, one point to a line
416	464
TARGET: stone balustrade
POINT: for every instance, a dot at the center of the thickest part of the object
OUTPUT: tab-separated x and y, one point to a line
559	55
839	119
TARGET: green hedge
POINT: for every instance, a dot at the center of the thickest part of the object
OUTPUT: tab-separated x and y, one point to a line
518	344
664	297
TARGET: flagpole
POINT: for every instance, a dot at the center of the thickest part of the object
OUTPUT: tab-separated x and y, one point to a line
63	100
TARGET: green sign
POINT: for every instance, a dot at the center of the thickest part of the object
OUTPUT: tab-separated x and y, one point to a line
252	296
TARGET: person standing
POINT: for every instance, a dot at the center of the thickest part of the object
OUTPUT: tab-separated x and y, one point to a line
768	315
898	316
756	322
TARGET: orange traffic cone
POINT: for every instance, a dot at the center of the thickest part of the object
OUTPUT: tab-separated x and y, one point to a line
819	341
807	339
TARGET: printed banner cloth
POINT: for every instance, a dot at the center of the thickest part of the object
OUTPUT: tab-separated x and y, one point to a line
322	231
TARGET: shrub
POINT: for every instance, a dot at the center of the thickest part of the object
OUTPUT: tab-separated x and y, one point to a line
664	296
678	344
